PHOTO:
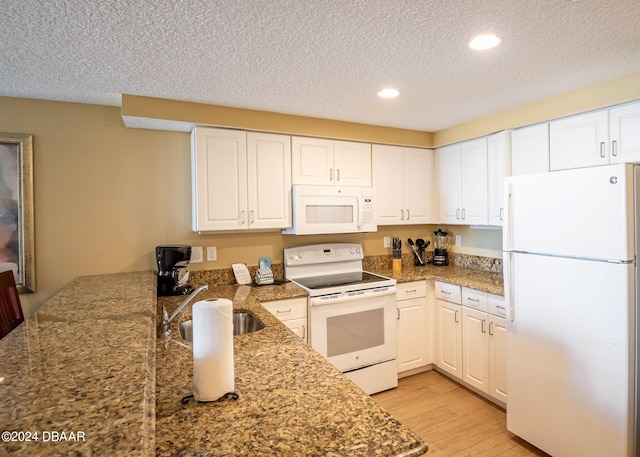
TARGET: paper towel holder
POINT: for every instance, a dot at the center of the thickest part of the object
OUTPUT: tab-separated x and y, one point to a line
188	398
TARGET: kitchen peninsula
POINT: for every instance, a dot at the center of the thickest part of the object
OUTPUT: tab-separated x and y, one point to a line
90	361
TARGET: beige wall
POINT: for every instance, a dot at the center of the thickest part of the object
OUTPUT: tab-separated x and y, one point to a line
106	195
589	98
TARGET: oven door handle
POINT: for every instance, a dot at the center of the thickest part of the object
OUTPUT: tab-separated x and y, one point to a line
343	297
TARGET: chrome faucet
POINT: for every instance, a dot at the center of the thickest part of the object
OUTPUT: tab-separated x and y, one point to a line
166	319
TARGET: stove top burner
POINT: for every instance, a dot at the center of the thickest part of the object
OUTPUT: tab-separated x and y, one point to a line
354	278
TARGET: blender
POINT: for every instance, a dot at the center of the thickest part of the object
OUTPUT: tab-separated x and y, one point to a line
441	242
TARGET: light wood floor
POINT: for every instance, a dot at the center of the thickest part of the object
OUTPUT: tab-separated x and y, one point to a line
452	420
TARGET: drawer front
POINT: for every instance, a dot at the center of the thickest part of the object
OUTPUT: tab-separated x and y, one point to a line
475	299
409	290
496	305
448	292
295	308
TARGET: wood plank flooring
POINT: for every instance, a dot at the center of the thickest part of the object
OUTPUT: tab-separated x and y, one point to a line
453	421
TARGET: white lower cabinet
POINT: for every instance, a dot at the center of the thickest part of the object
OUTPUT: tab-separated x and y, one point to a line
471	338
293	313
448	329
414	331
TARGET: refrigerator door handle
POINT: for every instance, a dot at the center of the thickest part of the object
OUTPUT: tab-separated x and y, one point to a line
508	284
507	242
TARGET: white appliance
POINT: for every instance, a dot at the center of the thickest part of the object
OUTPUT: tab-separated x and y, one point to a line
352	313
332	209
570	286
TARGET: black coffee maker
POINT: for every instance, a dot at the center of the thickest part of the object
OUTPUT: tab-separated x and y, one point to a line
172	269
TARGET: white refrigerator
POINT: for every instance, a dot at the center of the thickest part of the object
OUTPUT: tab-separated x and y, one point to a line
570	286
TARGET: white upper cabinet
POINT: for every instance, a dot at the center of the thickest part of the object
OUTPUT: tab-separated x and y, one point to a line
462	174
499	166
596	138
240	180
319	161
404	182
579	141
624	133
269	180
530	150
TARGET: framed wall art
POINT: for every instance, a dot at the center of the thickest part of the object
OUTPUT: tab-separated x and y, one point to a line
16	209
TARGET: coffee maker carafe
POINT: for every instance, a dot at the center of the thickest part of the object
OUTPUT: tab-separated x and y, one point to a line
441	243
173	275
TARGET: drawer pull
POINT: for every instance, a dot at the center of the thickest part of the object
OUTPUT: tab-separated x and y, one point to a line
283	312
456	317
501	307
473	299
445	292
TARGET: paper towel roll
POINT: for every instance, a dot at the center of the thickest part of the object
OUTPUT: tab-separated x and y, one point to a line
213	371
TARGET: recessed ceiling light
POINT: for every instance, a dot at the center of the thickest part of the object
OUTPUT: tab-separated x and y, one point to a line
484	41
388	93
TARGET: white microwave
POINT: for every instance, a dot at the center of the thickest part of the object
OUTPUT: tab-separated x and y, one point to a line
332	209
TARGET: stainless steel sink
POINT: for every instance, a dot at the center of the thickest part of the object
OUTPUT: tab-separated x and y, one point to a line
243	322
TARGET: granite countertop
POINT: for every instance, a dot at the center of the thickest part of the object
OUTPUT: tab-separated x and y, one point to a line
482	280
83	365
89	364
291	400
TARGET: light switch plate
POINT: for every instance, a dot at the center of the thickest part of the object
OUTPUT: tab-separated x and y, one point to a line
212	254
196	254
387	242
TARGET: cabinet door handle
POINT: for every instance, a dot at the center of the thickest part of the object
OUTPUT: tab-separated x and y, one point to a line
251	217
304	332
491	328
397	314
614	148
602	149
338	174
457	213
484	326
330	174
501	214
464	214
402	215
242	217
408	215
456	317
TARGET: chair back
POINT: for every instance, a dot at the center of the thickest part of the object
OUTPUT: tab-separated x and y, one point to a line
11	314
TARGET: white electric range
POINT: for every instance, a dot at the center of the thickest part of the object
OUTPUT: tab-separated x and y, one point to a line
352	312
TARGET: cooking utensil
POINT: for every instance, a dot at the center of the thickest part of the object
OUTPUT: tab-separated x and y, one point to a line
415	251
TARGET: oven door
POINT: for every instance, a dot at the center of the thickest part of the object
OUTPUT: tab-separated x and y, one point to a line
355	329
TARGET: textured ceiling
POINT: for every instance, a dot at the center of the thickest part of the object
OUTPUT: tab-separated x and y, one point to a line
320	58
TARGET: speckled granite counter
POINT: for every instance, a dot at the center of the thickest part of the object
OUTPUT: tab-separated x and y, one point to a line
291	400
83	364
485	281
86	362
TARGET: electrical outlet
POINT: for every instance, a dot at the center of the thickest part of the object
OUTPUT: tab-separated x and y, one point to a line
196	254
387	241
212	254
458	240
